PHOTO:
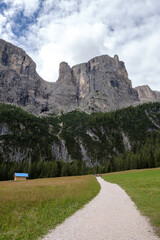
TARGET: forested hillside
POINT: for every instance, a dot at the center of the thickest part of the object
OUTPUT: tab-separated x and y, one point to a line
78	143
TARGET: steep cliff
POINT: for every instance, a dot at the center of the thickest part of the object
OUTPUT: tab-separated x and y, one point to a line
19	82
100	85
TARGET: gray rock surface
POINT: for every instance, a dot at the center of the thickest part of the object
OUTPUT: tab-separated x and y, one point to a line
101	84
19	82
60	151
146	94
4	129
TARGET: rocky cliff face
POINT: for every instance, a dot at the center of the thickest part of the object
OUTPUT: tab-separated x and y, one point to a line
19	82
101	84
147	95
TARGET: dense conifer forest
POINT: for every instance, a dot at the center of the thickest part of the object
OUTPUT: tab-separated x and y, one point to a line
95	143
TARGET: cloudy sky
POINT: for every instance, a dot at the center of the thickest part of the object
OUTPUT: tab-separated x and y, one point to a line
51	31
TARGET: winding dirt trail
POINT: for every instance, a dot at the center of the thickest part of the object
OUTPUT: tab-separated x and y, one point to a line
111	215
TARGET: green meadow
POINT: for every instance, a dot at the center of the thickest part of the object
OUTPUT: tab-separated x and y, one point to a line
143	186
29	209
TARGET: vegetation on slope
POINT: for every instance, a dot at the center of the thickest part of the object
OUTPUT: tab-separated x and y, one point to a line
143	186
100	142
30	209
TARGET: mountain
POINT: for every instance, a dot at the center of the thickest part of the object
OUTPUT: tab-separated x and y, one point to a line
19	82
90	120
77	142
100	85
147	95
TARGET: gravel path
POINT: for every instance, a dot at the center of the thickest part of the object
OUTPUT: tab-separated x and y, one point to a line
111	215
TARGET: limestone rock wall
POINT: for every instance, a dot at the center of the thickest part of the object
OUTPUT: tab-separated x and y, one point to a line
101	84
146	94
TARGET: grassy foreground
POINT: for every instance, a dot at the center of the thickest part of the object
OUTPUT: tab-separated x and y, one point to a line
29	209
143	186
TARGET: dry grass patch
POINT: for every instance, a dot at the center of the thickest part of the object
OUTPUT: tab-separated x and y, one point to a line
30	208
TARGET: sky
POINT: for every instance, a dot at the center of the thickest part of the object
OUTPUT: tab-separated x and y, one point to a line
74	31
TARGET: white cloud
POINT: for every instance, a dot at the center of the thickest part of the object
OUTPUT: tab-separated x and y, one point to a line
3	22
77	30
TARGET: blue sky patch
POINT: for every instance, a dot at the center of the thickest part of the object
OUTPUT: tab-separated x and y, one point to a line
3	6
21	23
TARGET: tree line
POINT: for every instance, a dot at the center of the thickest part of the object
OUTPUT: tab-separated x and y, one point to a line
48	169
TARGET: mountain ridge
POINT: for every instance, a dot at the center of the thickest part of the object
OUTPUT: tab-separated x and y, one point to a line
99	85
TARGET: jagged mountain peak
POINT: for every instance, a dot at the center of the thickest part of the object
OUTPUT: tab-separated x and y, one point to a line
64	72
16	59
101	84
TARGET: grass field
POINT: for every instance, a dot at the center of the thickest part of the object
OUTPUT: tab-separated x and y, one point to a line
29	209
143	186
